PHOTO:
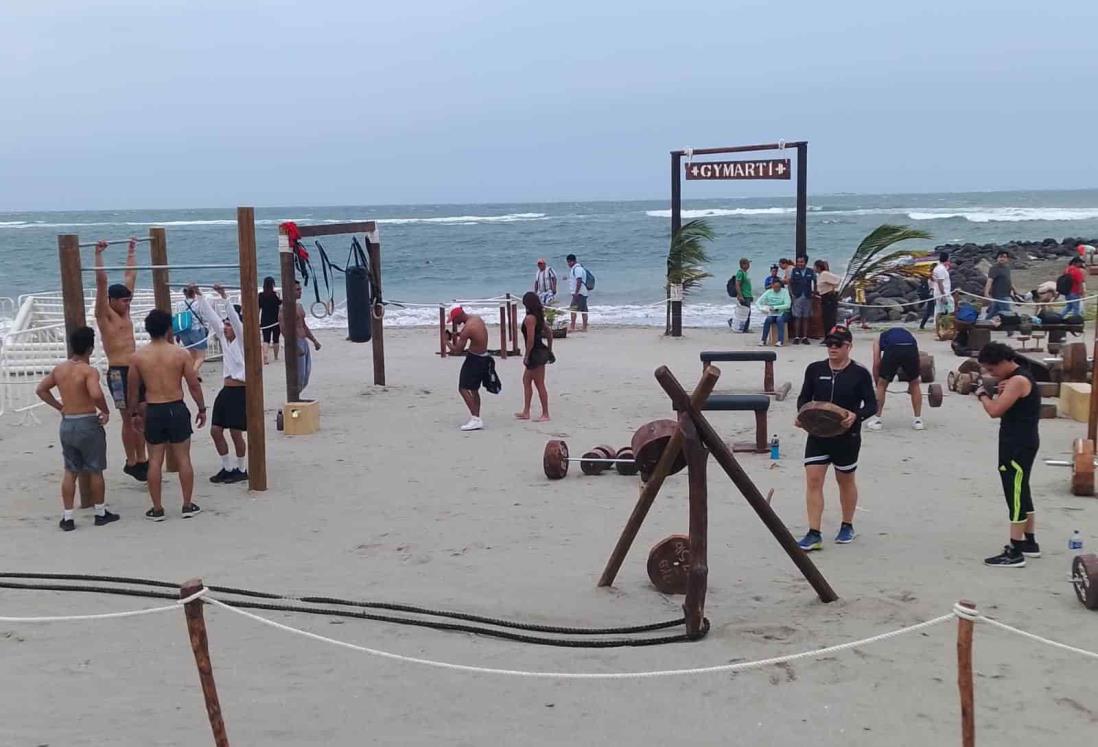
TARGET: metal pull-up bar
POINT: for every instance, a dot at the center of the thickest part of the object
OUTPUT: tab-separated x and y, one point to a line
117	268
114	242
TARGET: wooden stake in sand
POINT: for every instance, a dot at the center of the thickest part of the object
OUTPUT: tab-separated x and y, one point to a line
196	628
964	675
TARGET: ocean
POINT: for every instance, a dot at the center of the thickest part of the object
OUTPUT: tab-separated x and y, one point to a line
433	254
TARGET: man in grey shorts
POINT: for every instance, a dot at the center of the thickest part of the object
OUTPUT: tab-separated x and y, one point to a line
802	286
83	414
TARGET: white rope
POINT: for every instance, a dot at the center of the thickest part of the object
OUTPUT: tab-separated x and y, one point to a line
1063	302
738	667
1039	639
106	615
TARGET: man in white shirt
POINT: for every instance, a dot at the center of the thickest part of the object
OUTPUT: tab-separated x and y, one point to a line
942	288
577	285
545	283
230	408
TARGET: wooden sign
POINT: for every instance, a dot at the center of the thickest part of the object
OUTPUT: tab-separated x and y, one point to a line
769	168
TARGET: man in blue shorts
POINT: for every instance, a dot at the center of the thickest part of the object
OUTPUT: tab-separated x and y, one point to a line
896	351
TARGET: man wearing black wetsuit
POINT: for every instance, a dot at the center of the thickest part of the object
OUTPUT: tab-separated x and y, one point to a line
897	351
843	382
1018	407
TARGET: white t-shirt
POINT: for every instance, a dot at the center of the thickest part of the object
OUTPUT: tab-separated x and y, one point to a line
232	353
578	273
940	273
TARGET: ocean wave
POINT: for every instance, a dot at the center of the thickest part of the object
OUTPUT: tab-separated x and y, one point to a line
722	212
462	220
1006	214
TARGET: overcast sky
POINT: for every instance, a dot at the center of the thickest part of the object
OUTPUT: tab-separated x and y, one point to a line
214	103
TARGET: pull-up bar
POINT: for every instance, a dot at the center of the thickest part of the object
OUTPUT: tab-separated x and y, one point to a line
117	268
114	242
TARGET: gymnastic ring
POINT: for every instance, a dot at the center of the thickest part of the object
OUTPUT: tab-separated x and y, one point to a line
322	305
378	311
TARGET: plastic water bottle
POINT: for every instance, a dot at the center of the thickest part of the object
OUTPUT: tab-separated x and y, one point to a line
775	448
1075	547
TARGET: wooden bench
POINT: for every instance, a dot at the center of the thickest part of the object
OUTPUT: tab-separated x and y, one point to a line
757	403
766	357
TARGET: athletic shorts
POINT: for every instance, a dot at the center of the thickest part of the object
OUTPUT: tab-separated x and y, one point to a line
945	305
579	303
899	358
802	307
230	409
83	443
474	371
1015	467
167	422
118	382
841	451
271	334
304	365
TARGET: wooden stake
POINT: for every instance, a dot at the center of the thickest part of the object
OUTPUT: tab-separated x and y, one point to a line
72	299
1092	421
652	487
162	298
253	353
377	326
196	628
696	582
442	331
964	676
802	200
289	314
502	331
676	223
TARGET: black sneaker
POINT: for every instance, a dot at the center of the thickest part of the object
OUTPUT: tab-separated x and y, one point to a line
1010	557
155	514
223	476
67	525
142	470
1031	549
237	476
106	518
191	509
136	472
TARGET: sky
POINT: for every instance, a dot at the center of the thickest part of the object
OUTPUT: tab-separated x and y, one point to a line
201	103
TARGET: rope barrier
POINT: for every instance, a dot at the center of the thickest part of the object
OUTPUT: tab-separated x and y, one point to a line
106	615
1082	299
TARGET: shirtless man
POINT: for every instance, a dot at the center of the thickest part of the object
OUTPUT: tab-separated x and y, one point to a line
83	440
160	368
478	368
112	315
304	337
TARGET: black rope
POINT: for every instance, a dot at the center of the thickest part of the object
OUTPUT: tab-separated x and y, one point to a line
362	615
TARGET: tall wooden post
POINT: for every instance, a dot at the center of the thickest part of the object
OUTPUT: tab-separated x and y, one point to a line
515	329
253	355
162	298
1092	421
196	629
289	314
676	224
442	331
377	321
802	199
964	676
72	298
696	582
502	331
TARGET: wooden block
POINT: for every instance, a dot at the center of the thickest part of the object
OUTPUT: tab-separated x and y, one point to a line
1048	388
301	418
1075	401
1048	410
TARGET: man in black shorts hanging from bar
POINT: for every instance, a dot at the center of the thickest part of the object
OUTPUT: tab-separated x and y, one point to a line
478	368
162	367
843	382
897	351
1017	405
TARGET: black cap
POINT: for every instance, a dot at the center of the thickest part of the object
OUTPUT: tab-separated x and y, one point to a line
117	292
839	333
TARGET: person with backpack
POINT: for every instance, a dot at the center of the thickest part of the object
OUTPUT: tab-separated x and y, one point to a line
739	288
190	329
581	283
1073	285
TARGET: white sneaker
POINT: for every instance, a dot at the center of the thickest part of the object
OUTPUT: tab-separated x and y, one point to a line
917	424
474	424
778	343
874	424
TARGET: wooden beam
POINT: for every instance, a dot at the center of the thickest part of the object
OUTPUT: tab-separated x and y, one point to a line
676	224
253	353
200	645
697	580
72	299
802	200
289	314
377	321
964	676
334	229
162	298
740	148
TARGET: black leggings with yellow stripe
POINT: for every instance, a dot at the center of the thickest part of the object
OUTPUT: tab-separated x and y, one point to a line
1015	467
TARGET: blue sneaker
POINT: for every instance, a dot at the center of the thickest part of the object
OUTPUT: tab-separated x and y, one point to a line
846	535
811	541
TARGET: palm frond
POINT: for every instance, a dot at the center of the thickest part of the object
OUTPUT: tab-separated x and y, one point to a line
687	256
868	260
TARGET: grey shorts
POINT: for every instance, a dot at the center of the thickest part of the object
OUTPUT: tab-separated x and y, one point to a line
579	302
83	443
802	307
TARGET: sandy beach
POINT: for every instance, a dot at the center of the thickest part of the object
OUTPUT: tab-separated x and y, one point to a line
390	502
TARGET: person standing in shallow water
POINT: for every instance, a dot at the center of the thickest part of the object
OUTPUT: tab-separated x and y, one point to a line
536	334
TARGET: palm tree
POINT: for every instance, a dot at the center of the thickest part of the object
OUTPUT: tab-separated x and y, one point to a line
872	257
686	265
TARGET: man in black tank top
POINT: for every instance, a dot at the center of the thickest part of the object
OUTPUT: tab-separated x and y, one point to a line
1017	404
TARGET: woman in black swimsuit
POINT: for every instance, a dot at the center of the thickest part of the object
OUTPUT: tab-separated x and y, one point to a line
534	333
269	305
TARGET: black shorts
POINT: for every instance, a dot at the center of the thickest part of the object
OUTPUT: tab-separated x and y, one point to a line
474	371
1015	467
230	409
271	334
167	422
540	357
900	358
840	451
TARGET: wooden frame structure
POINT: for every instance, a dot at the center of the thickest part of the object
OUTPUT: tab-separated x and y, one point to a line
289	278
72	293
508	329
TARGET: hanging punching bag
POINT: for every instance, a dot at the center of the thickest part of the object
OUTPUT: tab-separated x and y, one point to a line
360	296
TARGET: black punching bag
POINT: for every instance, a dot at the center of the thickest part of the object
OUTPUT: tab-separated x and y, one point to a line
360	300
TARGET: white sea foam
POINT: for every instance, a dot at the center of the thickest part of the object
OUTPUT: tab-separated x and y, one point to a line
1006	214
462	220
722	212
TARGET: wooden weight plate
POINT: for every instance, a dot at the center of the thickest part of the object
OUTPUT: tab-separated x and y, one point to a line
1074	355
934	395
1082	467
823	419
951	381
1084	577
669	564
649	442
609	451
926	367
589	467
969	365
555	460
783	391
966	384
627	466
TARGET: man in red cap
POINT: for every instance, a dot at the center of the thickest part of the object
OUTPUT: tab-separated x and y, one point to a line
478	368
545	283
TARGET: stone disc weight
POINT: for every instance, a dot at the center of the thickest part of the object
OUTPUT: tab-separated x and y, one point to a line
1084	577
555	460
926	367
934	395
589	467
669	564
627	466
